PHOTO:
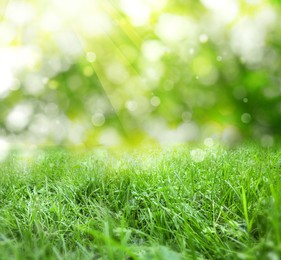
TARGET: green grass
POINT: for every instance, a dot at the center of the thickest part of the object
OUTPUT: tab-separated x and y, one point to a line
151	204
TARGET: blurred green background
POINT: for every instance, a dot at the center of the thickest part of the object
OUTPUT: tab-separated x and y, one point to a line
91	72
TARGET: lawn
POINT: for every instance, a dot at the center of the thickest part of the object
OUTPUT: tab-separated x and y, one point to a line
163	203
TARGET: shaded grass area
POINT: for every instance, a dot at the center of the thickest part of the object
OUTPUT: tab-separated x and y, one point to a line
154	204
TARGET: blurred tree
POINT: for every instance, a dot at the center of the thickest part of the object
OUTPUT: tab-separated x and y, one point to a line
95	72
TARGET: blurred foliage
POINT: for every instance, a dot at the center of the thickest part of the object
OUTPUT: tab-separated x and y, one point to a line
101	72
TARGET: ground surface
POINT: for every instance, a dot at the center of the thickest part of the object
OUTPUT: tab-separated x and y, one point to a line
172	203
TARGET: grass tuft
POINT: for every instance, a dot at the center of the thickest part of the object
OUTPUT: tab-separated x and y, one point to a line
156	204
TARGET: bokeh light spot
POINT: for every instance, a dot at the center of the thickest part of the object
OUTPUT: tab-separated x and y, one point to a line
173	28
191	51
138	11
203	38
267	140
197	155
110	137
116	72
131	105
153	50
209	142
19	117
155	101
4	149
91	56
219	58
186	116
98	119
246	118
53	84
225	10
88	71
